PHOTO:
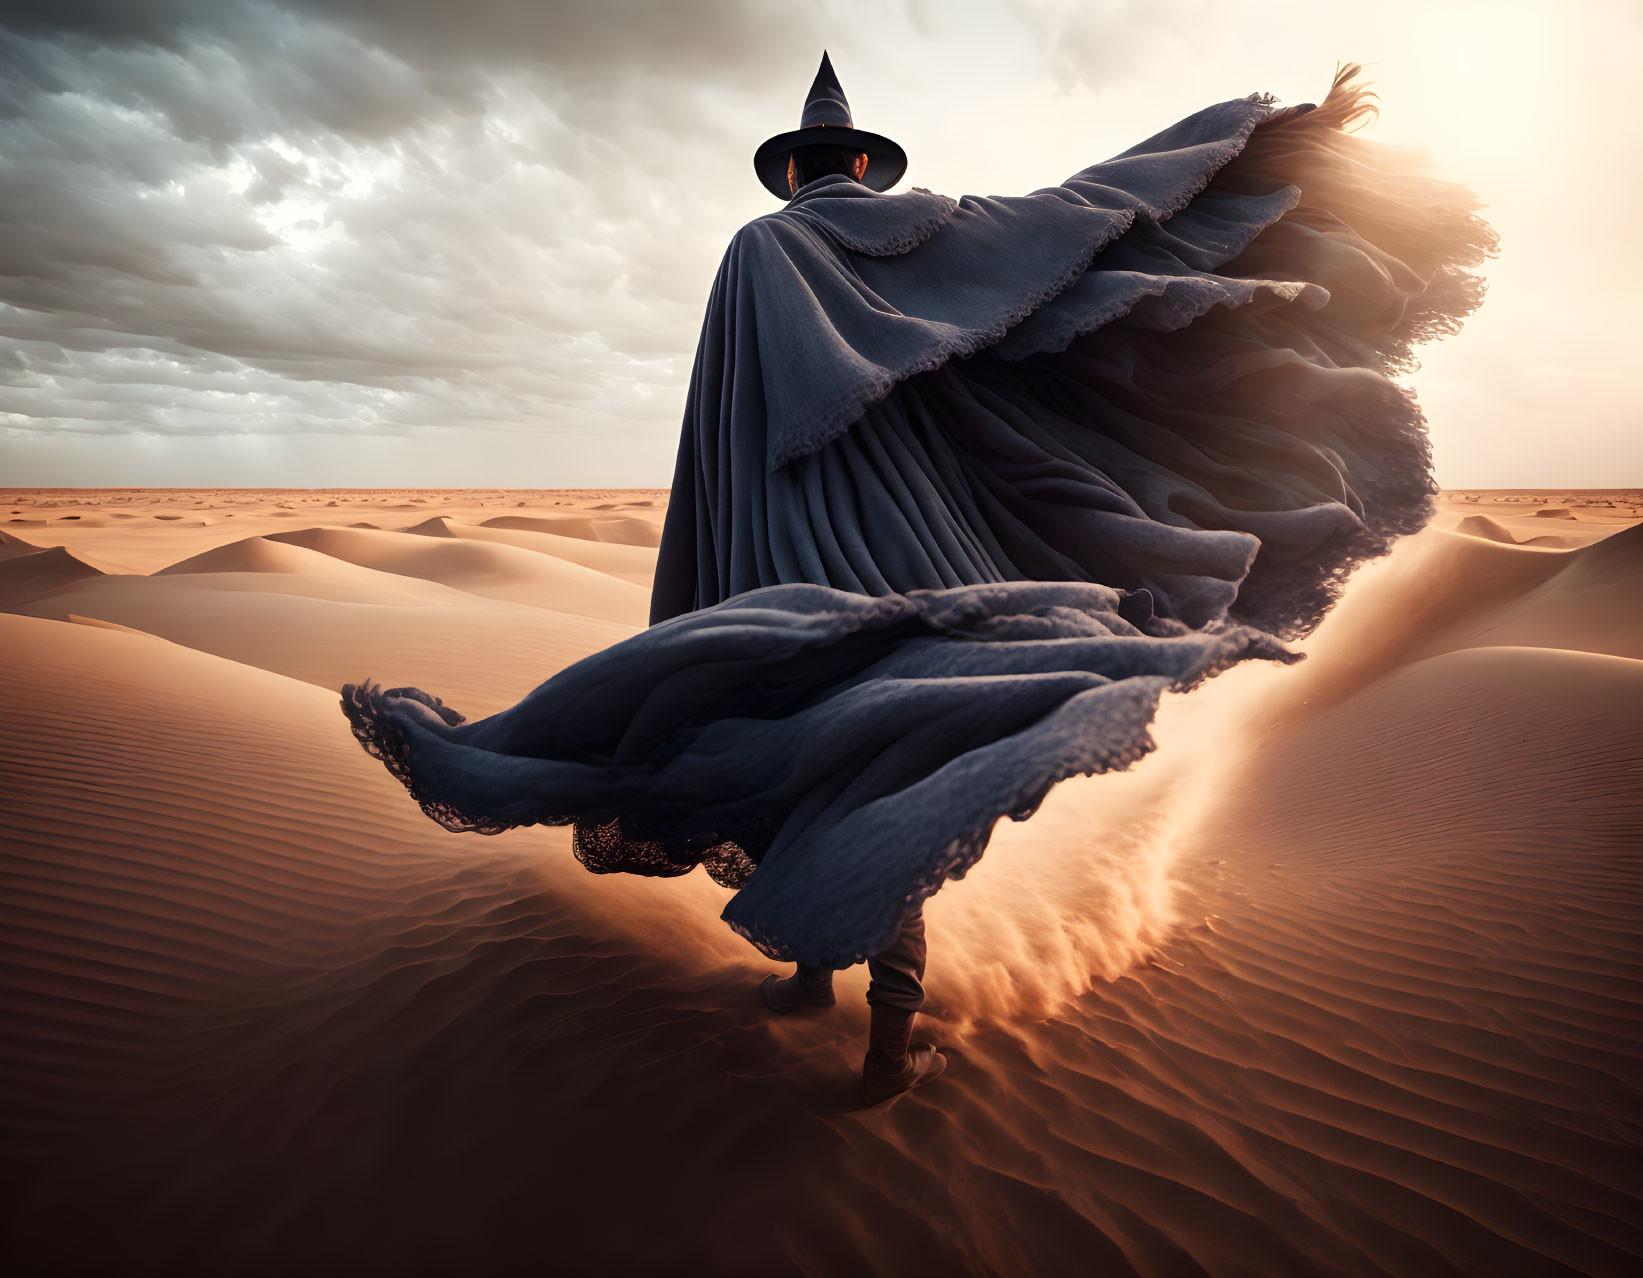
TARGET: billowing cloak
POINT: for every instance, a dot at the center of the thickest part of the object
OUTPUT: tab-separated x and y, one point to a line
962	488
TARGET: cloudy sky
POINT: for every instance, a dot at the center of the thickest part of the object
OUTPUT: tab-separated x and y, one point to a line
437	243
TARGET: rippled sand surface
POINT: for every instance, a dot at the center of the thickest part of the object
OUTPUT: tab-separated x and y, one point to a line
1346	978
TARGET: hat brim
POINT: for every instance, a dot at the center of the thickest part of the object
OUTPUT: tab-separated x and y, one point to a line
886	161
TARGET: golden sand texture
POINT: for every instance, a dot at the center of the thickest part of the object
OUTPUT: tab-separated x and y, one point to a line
1345	978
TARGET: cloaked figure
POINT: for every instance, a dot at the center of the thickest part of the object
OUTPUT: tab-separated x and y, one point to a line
963	487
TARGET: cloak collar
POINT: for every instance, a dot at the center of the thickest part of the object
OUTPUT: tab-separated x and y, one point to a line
866	221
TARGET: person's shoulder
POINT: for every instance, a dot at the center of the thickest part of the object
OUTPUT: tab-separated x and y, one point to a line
785	229
761	234
767	248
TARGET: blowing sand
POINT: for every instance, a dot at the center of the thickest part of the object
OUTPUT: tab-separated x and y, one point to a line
1367	998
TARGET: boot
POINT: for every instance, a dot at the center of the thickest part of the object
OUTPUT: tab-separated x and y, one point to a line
807	987
894	1062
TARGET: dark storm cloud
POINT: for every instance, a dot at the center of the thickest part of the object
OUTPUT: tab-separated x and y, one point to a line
408	218
360	66
711	34
234	215
160	22
218	73
622	39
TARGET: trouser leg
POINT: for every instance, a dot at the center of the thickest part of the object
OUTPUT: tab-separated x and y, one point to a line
895	993
897	973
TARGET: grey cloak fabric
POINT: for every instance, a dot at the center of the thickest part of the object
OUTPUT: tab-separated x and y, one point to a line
963	487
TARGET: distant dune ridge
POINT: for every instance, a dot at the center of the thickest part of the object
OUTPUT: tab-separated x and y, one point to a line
1366	997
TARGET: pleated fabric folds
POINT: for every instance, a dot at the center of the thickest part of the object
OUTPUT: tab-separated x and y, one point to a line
837	756
1202	403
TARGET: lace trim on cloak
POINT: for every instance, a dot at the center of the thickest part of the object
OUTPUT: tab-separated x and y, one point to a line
730	850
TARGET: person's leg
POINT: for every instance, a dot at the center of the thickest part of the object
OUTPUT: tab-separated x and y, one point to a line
895	992
807	987
896	974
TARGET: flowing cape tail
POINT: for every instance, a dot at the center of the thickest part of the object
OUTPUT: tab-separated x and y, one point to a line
836	756
963	488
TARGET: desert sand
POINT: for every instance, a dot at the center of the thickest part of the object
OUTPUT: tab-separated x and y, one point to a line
1367	998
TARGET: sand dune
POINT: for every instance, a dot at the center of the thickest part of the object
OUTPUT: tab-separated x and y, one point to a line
630	532
635	563
1585	599
11	546
262	554
1370	1000
1579	518
140	542
331	628
25	576
1425	915
100	624
1593	603
189	872
495	571
1494	530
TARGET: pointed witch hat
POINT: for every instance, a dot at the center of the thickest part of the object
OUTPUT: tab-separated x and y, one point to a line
826	122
